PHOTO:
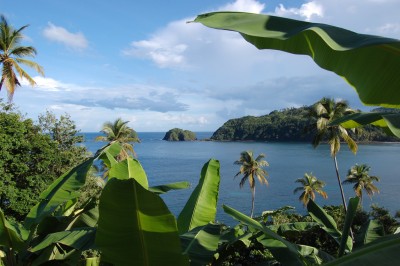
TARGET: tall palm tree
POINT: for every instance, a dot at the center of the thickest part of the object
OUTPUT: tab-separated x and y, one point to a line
309	185
325	111
12	55
359	176
119	131
252	168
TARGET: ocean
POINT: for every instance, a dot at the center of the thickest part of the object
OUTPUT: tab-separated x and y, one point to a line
167	162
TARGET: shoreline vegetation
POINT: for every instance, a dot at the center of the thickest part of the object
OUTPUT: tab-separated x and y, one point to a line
87	202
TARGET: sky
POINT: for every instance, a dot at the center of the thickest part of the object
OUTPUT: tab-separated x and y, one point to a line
142	62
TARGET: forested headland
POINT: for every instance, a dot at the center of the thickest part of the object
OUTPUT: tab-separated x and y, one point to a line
290	124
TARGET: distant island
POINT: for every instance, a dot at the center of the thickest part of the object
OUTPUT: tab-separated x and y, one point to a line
177	134
290	124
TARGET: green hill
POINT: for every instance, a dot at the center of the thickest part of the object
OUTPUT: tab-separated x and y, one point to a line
177	134
285	125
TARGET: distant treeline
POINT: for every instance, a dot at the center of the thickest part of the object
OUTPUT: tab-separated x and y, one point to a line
291	124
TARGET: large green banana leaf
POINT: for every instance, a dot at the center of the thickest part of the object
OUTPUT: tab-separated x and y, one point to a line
201	207
382	252
369	232
368	63
351	212
327	224
12	235
201	243
63	189
129	168
80	239
283	251
389	121
161	189
135	227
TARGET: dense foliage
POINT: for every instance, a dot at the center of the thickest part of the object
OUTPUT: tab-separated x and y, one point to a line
291	124
30	160
177	134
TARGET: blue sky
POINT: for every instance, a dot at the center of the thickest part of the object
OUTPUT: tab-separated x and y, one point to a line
141	61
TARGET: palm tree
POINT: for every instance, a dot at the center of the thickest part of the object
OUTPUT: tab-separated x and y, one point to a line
251	168
119	131
359	176
325	111
11	56
309	185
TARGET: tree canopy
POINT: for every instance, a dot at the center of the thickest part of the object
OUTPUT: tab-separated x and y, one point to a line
30	160
177	134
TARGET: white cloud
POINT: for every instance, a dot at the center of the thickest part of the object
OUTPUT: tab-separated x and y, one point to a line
307	11
46	84
71	40
164	52
244	6
179	44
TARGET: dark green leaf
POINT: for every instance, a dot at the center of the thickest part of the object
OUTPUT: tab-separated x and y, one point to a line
351	212
201	243
327	223
283	251
369	232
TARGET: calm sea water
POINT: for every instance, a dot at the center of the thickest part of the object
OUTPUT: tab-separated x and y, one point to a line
166	162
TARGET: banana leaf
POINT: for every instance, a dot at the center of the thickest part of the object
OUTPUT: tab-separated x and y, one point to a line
368	63
161	189
327	224
201	207
201	243
351	212
12	234
129	168
369	232
135	227
63	189
390	122
79	239
285	252
382	252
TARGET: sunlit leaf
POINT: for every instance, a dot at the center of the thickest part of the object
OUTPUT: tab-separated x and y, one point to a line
201	207
135	227
161	189
368	63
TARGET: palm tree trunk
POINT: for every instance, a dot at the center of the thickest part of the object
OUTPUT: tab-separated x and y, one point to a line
253	195
341	191
340	184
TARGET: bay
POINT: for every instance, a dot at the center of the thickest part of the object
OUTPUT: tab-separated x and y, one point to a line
166	162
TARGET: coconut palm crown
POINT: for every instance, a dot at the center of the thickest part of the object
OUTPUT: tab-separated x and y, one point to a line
309	186
359	176
119	131
12	56
326	111
251	169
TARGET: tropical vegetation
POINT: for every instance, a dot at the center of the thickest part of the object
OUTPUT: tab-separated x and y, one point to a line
309	185
252	168
31	159
129	223
326	111
358	176
177	134
119	131
12	55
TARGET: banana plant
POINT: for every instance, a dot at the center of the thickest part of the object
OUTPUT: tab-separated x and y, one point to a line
389	121
358	58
